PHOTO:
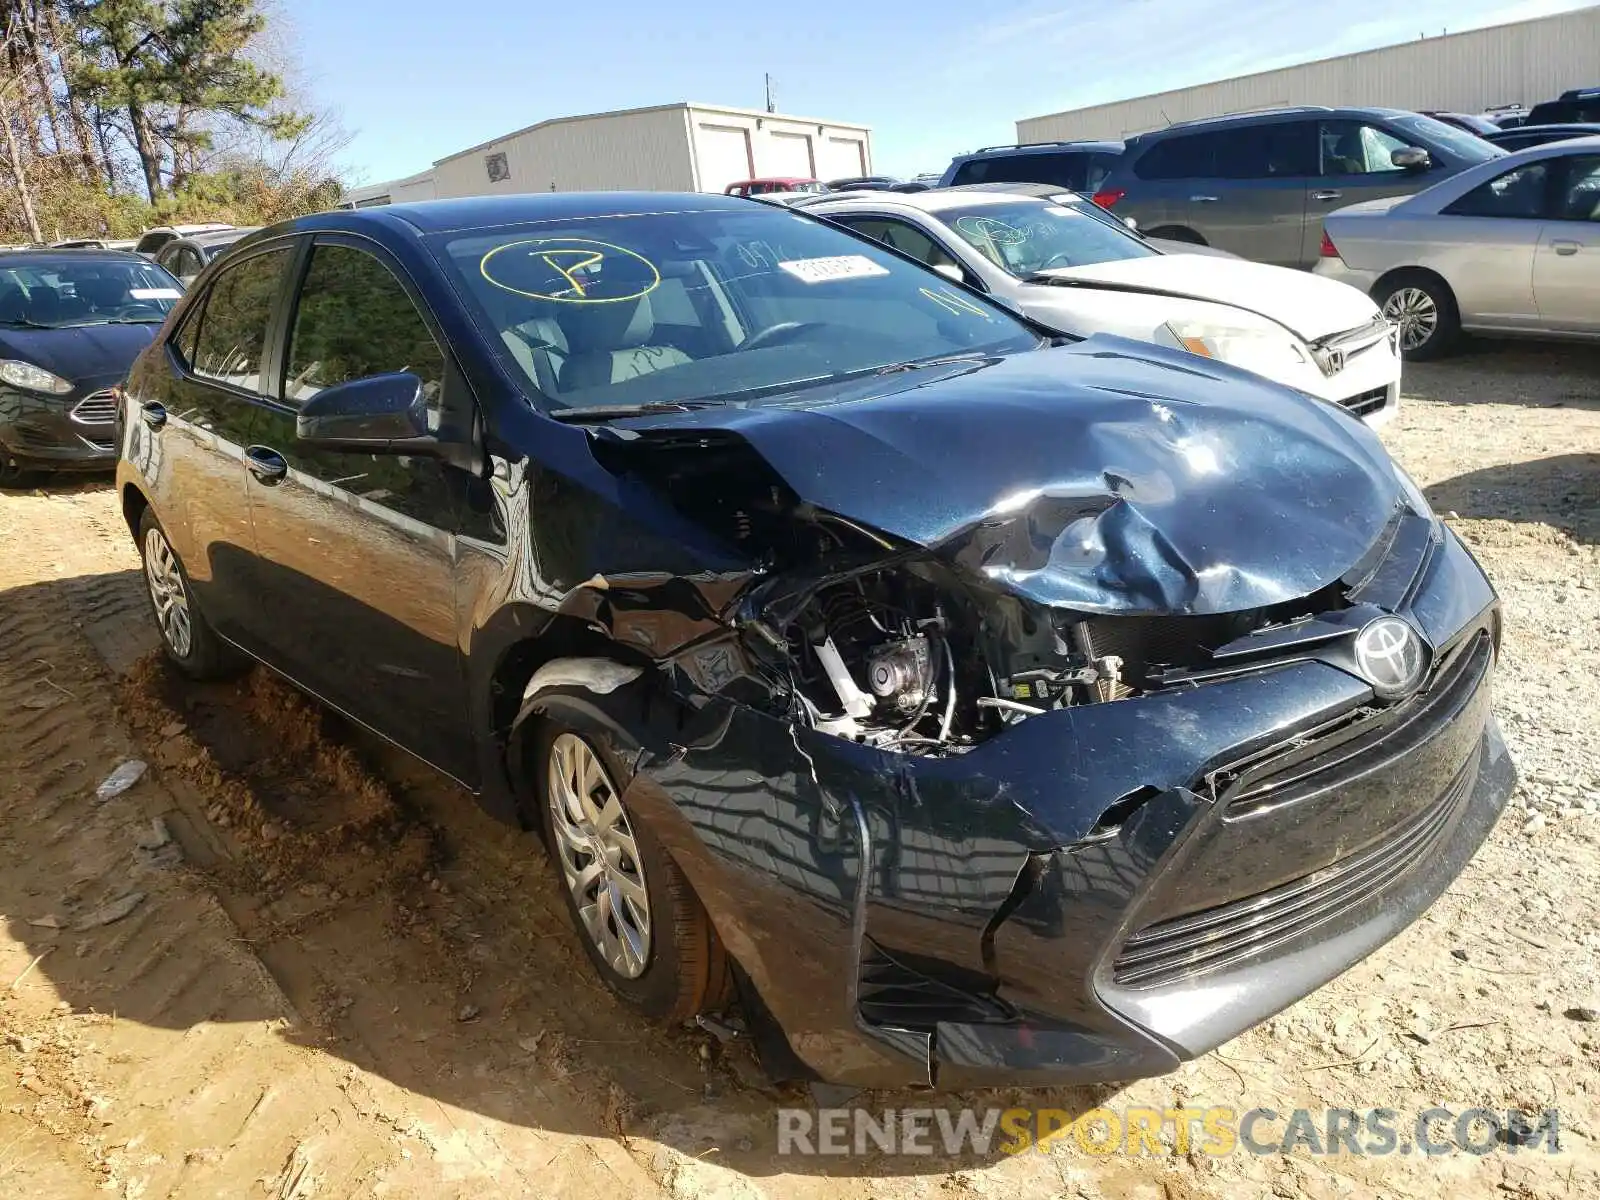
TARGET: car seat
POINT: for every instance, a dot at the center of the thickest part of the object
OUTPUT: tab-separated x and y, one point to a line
610	341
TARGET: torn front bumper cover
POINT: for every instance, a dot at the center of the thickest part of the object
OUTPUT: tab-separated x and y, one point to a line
1097	893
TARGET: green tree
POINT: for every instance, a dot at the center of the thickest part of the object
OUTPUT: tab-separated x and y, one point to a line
176	69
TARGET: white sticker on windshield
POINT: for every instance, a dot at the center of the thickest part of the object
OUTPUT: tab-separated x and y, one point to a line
823	270
155	293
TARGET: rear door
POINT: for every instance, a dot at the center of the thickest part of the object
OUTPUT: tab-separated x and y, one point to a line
1486	243
1256	203
357	551
196	416
1566	263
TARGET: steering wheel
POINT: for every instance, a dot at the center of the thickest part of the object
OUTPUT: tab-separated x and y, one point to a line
783	331
137	308
1052	261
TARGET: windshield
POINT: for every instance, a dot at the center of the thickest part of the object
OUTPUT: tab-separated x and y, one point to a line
72	291
711	306
1468	147
1024	237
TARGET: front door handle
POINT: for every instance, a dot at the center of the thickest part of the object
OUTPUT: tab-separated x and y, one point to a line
1202	199
1562	246
266	464
155	415
1327	195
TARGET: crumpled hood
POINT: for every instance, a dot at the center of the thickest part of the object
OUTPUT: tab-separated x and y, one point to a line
1109	476
82	353
1308	304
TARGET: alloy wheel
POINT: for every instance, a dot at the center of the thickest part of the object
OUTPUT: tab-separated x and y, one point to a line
599	857
167	593
1415	312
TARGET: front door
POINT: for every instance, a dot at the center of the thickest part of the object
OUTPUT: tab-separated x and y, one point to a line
195	414
357	551
1566	265
1355	164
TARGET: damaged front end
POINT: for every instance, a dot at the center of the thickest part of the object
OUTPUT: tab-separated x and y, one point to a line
1053	773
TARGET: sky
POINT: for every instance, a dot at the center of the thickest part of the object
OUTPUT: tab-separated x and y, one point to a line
416	80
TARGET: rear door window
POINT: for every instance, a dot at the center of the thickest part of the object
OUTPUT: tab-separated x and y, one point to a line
232	342
1518	194
1284	150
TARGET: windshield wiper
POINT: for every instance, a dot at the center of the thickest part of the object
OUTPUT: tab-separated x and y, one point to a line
24	323
613	412
916	364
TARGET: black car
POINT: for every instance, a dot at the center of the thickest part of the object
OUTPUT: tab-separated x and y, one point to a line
1577	106
1073	166
862	183
1524	136
71	324
971	705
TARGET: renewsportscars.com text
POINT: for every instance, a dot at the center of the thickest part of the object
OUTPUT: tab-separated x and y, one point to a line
1217	1130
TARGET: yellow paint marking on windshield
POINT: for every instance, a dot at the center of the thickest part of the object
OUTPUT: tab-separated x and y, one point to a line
538	267
586	259
953	303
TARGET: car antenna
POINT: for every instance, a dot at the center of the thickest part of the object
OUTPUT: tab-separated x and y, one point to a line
1164	117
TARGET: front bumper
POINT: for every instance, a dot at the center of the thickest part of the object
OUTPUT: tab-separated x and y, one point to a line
979	919
71	432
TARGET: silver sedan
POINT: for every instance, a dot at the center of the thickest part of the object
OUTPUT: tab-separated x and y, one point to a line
1510	247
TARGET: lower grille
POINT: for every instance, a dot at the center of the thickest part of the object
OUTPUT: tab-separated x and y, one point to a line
33	437
99	408
1364	404
1183	947
897	993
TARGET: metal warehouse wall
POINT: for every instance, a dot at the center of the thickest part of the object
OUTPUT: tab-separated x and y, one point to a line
646	149
1527	61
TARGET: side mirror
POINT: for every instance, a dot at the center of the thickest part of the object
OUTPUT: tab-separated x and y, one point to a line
380	414
1411	158
951	271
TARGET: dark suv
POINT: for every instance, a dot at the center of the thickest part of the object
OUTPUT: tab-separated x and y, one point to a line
1076	166
1259	183
1580	106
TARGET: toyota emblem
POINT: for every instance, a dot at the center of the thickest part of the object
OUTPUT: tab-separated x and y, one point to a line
1390	657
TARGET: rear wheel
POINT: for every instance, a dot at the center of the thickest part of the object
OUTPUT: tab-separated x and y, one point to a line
186	636
1423	309
641	925
1175	233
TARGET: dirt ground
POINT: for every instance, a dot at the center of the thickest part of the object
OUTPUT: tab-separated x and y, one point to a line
290	962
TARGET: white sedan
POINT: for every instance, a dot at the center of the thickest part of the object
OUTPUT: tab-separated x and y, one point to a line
1070	266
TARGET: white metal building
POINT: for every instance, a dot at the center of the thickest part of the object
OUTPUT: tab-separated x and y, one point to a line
1523	62
669	147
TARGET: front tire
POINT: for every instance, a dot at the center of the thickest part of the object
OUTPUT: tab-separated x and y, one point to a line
186	636
13	476
641	925
1424	308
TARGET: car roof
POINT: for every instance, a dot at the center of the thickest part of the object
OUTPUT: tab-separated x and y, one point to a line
39	257
1278	113
488	212
222	236
1553	127
1101	146
936	200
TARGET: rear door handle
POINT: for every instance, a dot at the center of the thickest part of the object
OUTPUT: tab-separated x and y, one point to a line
1202	199
1327	195
1562	246
155	415
266	464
